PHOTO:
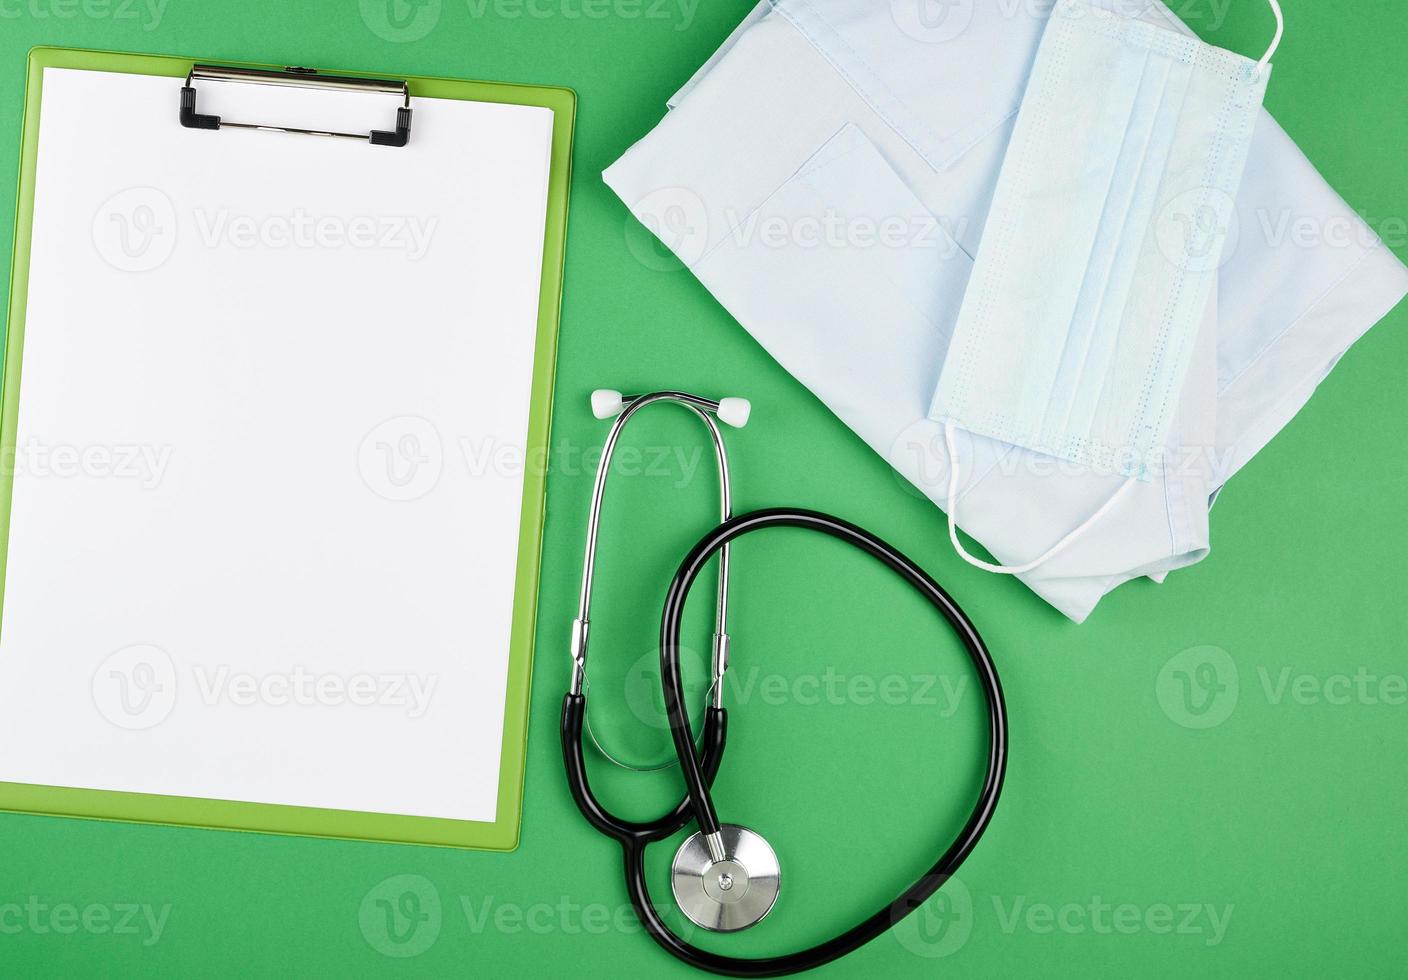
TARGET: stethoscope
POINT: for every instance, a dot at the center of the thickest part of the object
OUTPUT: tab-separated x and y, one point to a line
726	877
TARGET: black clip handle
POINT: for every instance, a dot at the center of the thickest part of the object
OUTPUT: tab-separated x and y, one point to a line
401	137
189	117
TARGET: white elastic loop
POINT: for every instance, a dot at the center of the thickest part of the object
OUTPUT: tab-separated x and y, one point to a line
1043	558
1275	41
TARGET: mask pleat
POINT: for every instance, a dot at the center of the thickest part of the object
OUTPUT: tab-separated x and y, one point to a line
1117	281
1064	202
1081	333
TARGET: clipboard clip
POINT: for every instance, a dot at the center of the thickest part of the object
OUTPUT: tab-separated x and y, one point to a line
296	78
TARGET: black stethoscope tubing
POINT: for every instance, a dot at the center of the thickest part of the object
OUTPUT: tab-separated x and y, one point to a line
700	769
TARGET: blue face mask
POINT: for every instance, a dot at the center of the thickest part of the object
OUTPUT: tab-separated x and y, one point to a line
1101	246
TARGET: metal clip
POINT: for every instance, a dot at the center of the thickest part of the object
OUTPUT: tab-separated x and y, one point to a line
579	654
297	78
720	666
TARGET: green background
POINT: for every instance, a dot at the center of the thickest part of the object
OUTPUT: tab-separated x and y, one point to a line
1129	839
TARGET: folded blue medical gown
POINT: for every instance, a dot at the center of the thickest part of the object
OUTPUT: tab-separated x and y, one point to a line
826	175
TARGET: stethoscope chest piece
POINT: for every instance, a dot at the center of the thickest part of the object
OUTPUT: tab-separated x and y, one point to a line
729	894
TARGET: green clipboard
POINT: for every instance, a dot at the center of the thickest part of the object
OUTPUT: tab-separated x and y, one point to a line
500	835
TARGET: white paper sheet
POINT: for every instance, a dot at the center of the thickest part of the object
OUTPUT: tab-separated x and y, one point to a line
273	410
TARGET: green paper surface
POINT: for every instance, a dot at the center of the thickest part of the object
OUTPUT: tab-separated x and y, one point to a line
1129	841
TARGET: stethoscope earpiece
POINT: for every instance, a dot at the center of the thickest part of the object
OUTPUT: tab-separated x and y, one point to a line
607	403
735	411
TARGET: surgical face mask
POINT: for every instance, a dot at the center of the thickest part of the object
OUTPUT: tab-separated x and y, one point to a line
1101	246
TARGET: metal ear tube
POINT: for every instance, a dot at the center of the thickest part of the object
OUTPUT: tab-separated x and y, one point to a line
608	403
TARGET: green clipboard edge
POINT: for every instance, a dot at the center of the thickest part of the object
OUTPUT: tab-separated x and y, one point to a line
503	833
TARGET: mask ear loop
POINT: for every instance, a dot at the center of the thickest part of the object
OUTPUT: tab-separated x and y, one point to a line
1275	41
1046	556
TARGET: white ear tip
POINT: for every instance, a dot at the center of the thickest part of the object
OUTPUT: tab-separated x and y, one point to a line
606	403
735	411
